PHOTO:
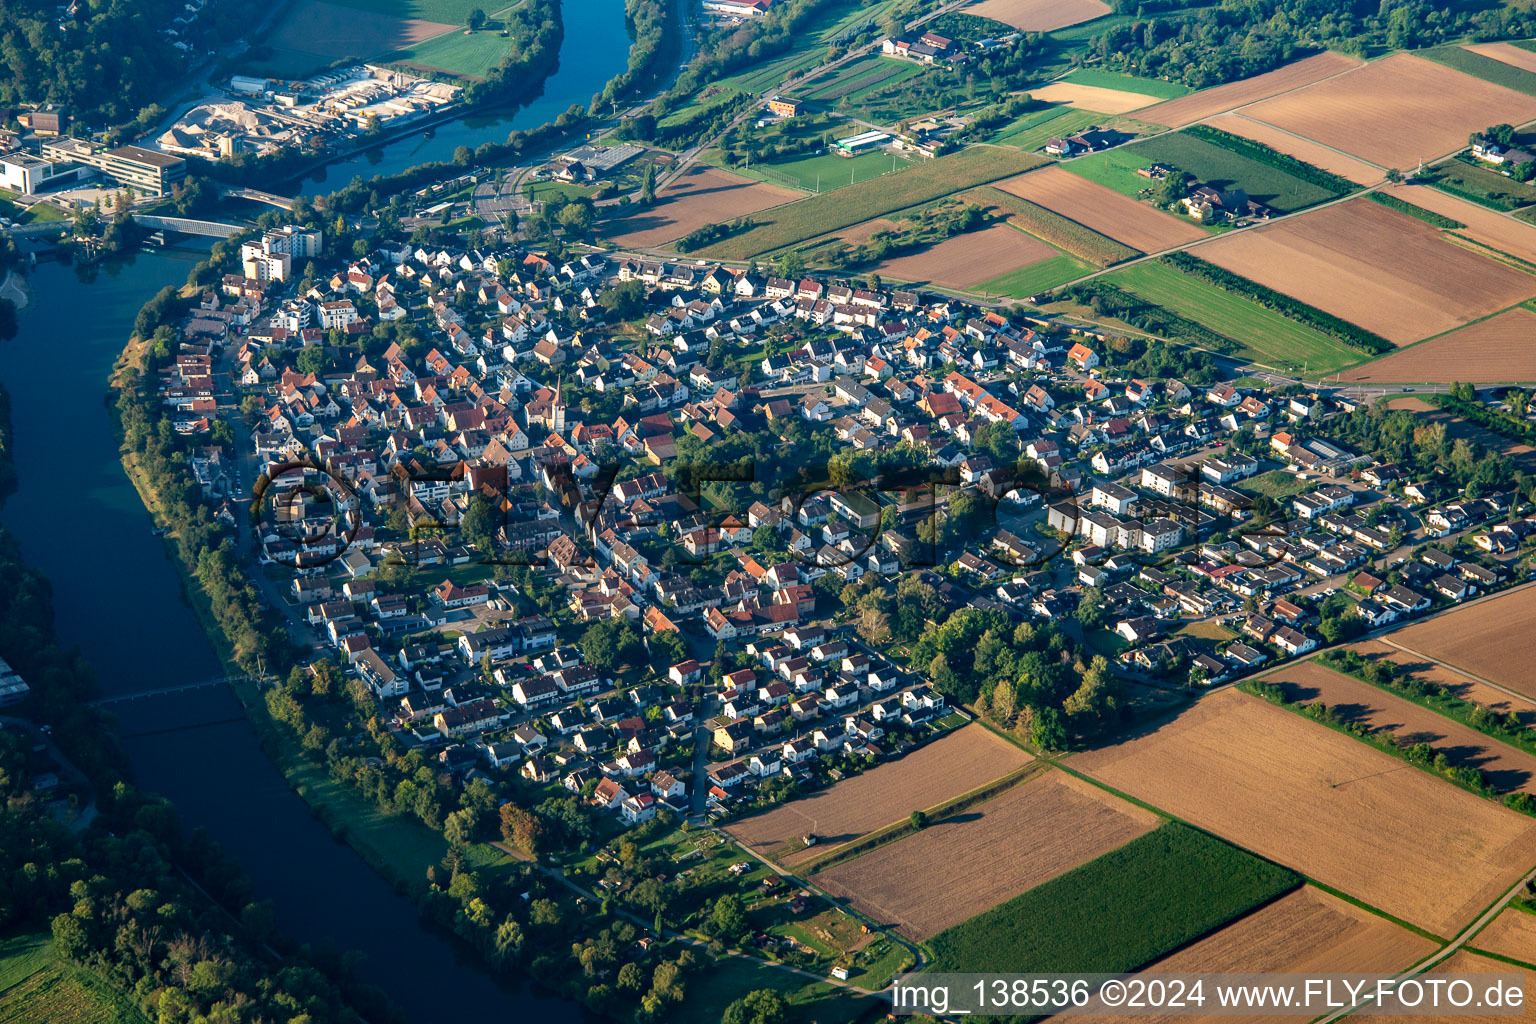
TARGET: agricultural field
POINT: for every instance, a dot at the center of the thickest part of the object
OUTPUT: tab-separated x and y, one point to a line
1154	87
1459	684
1267	337
1326	804
1512	934
1485	227
1223	168
1039	15
967	260
920	183
1117	912
1495	350
451	12
945	768
473	54
1066	235
1395	111
1304	931
1038	277
1092	97
852	80
1508	769
1482	185
1038	127
1100	209
1484	66
315	33
1509	53
990	853
58	994
1329	160
703	195
1383	270
1490	639
1198	106
1460	962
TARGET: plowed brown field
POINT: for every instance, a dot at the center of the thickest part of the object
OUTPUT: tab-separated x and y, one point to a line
1327	805
1196	106
1305	931
1512	933
1490	227
1460	962
1091	97
969	259
1506	52
1492	639
1501	348
1302	149
1395	111
1039	15
1104	210
987	854
1458	683
703	195
945	768
1386	271
1508	769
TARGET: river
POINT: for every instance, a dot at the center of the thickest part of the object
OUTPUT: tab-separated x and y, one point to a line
595	48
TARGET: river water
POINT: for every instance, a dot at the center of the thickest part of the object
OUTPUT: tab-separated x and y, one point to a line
595	48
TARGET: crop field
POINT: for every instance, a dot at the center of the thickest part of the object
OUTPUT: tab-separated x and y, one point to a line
945	768
1460	962
1375	267
473	54
967	260
1481	185
1508	769
920	183
1332	807
1038	277
704	195
1092	97
1117	912
1154	87
1266	336
1395	111
1223	168
1310	152
1485	227
1488	68
1491	639
1011	843
1198	106
1458	683
1506	52
57	995
1036	129
1100	209
1064	234
855	78
1498	349
314	33
1039	15
1512	933
450	12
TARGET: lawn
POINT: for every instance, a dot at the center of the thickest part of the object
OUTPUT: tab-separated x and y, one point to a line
825	172
1114	168
1119	911
1063	121
1037	277
1226	169
1128	83
1265	335
474	54
919	183
1277	483
1205	630
1486	68
22	956
542	190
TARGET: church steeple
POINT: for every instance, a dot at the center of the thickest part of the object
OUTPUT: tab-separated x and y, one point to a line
557	408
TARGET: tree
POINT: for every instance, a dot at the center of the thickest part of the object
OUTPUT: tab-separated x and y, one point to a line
481	523
1090	609
648	183
1098	694
917	819
459	829
576	219
1394	175
475	19
729	918
762	1006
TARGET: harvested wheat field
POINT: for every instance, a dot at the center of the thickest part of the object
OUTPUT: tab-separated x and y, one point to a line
703	195
1091	97
1458	683
1508	769
1488	227
1512	933
987	854
1329	160
969	259
945	768
1499	349
1103	209
1395	111
1039	15
1325	804
1197	106
1492	639
1304	931
1506	52
1386	271
1461	962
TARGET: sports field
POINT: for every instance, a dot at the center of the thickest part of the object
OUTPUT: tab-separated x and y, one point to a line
827	171
1266	336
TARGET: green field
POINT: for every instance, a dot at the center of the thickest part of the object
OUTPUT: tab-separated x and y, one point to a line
1037	277
825	172
1209	164
707	993
1277	483
1128	83
446	12
1118	911
1480	185
912	186
37	989
854	80
1486	68
473	55
1265	335
22	956
1065	121
810	48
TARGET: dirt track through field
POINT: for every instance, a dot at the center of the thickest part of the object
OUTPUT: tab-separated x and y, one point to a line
1039	15
1185	110
986	854
1395	111
1386	271
1512	933
1491	639
1460	962
703	195
945	768
1327	805
1103	209
969	259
